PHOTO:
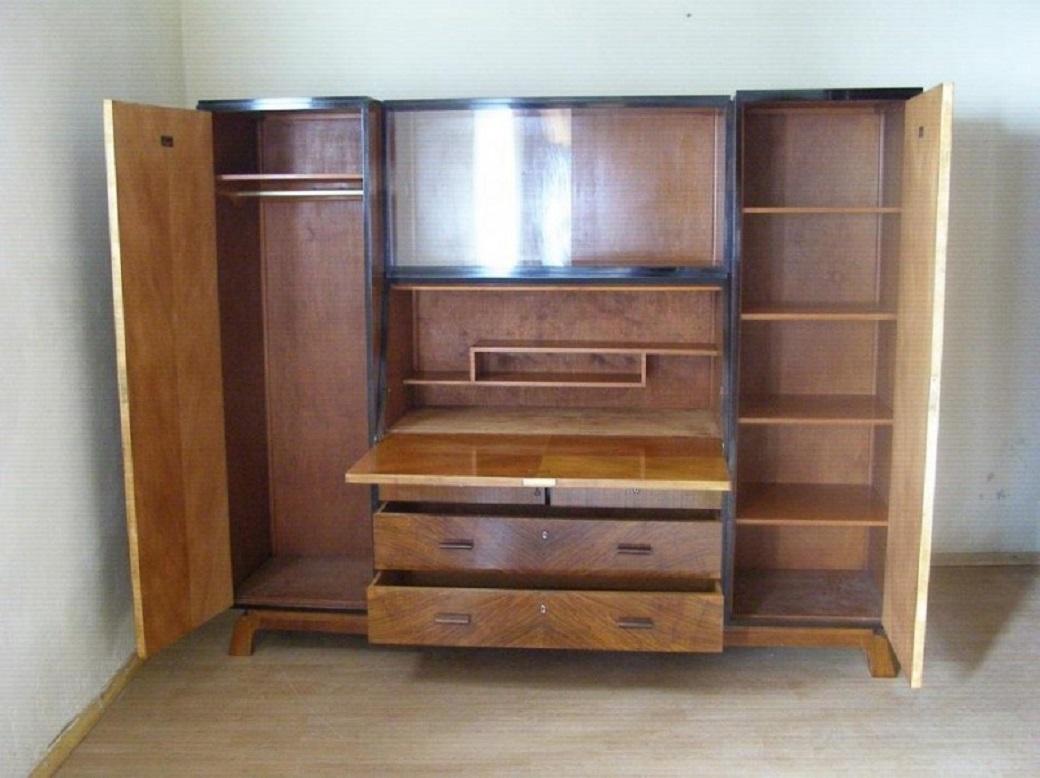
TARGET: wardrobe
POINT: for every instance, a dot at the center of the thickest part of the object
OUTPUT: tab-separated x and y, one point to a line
634	374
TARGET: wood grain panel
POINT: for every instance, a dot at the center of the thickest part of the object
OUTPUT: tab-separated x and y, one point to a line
634	498
160	188
807	357
549	541
802	547
240	268
543	460
919	340
637	422
790	453
809	259
401	613
645	187
448	323
835	596
470	494
317	386
314	142
317	582
826	158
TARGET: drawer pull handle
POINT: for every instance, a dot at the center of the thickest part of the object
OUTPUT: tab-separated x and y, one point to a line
462	619
457	545
635	549
634	622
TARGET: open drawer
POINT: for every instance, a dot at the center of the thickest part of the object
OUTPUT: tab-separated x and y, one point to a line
457	610
546	539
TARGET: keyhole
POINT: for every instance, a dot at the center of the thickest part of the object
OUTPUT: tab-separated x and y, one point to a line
545	534
920	132
542	609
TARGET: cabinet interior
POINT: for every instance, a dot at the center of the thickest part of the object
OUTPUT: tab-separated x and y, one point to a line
291	235
820	245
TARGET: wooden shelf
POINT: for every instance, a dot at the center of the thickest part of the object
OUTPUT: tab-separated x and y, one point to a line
440	378
583	380
810	504
584	461
814	409
325	583
806	595
870	209
285	177
593	347
814	312
618	422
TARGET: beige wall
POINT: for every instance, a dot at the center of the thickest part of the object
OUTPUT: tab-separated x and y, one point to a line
990	430
65	621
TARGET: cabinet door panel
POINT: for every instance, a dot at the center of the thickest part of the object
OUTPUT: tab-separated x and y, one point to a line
164	271
922	271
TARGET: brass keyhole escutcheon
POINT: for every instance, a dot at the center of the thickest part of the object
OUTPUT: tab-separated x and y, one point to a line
545	534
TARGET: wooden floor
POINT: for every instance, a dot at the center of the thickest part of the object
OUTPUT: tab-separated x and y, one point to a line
326	705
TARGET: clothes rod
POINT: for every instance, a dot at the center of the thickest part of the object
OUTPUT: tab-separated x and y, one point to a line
296	193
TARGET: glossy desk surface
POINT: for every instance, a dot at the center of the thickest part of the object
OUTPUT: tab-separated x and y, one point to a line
562	459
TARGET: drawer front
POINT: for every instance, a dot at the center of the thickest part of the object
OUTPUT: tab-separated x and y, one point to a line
405	541
465	494
634	498
511	618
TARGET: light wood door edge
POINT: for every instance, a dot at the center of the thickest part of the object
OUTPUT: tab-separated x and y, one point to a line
73	734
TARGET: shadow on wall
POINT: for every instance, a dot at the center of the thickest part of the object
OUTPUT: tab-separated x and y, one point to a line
988	495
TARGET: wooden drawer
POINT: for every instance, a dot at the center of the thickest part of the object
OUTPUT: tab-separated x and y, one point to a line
522	539
471	494
418	609
635	498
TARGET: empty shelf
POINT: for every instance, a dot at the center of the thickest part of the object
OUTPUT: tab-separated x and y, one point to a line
324	582
593	347
817	504
814	409
806	595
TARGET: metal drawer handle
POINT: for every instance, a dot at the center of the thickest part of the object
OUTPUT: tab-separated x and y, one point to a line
635	549
452	618
634	622
457	545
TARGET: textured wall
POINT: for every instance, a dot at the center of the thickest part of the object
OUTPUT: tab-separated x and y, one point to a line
66	621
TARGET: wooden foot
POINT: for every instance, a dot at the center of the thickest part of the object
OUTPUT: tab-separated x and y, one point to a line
246	627
251	622
880	658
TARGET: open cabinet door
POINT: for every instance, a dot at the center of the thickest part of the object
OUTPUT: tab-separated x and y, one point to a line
919	342
164	283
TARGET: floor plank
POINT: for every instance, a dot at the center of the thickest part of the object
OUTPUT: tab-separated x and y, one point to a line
331	705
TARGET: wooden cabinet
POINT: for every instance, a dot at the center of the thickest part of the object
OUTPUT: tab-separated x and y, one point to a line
644	374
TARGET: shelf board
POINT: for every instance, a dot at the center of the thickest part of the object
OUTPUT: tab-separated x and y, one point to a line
814	409
620	422
321	582
815	312
806	595
869	209
583	380
231	177
439	378
810	504
593	347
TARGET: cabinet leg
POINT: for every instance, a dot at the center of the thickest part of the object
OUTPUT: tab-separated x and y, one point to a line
880	658
242	637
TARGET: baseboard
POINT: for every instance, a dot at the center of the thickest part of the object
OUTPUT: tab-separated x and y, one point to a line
79	727
983	558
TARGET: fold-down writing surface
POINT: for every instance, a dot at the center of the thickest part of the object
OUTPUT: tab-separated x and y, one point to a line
548	460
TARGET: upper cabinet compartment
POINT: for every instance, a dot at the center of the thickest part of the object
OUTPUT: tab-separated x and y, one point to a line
556	187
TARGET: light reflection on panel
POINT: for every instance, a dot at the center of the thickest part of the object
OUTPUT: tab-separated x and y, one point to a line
506	189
